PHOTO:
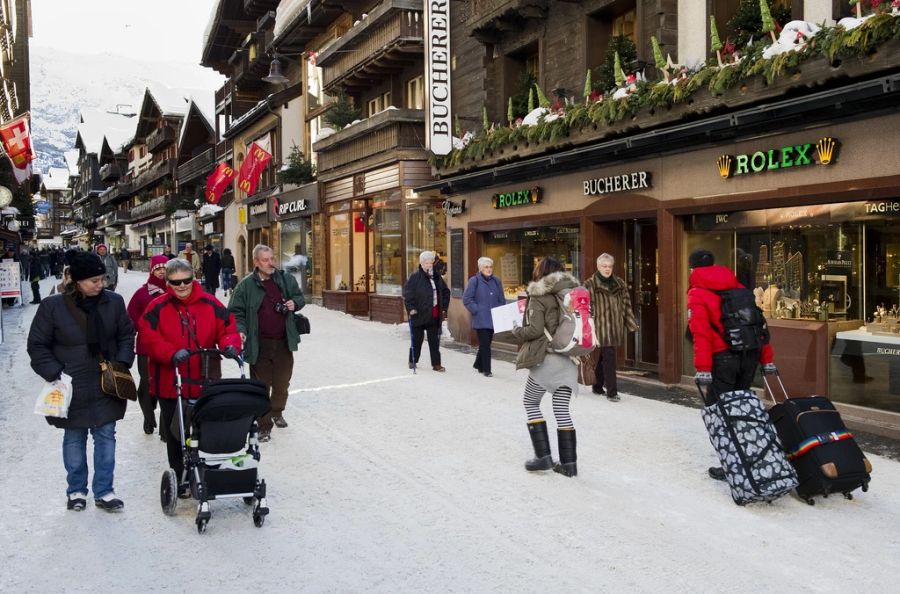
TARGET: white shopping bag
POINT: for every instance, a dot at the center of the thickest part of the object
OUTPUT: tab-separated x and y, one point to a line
25	292
54	399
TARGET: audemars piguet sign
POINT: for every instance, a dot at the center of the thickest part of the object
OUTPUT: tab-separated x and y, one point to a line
437	75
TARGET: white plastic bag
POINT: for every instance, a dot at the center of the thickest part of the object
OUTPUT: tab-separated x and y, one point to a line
54	399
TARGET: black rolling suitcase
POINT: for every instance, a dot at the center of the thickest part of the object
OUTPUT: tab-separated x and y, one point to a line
818	444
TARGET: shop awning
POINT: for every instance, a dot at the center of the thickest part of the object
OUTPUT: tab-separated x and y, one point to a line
148	221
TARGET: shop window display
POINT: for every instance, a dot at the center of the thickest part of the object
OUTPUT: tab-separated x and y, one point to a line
833	263
297	260
339	230
426	229
516	252
388	250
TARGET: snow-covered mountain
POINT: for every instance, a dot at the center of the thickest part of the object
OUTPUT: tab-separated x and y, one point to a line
64	83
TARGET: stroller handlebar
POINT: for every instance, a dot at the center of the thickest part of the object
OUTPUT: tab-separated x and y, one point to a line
207	351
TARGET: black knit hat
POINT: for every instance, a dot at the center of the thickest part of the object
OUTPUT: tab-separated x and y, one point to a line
700	258
83	265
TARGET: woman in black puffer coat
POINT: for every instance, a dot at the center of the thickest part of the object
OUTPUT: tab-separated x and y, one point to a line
69	333
427	298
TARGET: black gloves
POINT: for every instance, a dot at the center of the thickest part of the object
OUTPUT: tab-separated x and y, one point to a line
181	356
231	353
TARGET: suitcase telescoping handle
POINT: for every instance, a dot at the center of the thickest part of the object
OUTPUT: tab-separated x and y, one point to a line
769	389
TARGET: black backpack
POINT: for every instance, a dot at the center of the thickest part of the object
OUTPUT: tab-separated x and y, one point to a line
744	327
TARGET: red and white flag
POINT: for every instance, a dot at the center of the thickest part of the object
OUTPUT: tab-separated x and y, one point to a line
16	138
252	168
217	181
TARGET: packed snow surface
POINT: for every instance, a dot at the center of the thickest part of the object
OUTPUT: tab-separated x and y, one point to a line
386	481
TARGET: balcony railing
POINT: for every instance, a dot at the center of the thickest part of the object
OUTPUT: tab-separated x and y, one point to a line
155	206
197	166
110	172
112	195
113	218
381	137
160	138
387	41
165	168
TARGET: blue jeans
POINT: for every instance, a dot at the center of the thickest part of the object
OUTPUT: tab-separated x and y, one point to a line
75	459
227	279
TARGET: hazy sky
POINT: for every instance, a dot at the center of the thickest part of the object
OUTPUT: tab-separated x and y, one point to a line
161	30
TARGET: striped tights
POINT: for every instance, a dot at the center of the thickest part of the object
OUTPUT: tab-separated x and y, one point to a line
533	395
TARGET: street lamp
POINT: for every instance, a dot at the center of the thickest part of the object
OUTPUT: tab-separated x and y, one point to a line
275	76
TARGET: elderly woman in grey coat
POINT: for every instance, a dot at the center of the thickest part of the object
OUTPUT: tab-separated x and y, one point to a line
547	371
69	334
483	292
613	318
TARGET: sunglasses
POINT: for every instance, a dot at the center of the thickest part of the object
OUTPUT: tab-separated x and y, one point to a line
177	282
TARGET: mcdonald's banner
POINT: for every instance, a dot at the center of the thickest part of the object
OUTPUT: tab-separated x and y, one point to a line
16	138
217	181
252	168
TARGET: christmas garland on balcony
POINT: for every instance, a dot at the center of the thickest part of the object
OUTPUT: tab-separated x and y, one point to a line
856	38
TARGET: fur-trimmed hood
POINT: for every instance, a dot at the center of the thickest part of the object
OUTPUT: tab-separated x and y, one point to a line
552	283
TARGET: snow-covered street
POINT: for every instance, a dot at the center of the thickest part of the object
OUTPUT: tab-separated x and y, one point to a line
387	481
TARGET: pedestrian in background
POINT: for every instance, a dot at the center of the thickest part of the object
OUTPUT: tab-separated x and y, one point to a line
613	318
718	368
173	325
193	258
263	304
227	271
484	291
153	288
167	252
427	298
125	259
212	267
31	270
112	267
547	371
69	333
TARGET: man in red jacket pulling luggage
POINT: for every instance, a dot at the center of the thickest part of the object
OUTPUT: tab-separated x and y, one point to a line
718	368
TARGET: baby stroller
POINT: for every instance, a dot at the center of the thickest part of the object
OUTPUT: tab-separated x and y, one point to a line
218	442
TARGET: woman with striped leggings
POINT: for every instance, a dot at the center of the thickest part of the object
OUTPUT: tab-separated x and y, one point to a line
548	372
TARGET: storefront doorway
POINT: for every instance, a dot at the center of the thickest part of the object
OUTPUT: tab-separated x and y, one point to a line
642	268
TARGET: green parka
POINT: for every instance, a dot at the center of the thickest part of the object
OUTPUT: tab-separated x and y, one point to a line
245	301
542	311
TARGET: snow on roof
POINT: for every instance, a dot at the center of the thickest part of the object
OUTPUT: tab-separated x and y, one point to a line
117	138
171	102
96	125
56	178
71	158
286	13
205	102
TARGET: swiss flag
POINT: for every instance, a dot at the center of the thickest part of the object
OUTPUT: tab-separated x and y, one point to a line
217	181
252	168
16	138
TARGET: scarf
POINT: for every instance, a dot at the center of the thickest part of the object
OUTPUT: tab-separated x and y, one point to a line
96	336
156	286
609	282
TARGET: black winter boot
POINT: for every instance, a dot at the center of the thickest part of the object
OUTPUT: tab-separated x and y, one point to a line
541	442
567	455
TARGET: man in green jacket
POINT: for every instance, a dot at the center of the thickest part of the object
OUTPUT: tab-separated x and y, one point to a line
263	304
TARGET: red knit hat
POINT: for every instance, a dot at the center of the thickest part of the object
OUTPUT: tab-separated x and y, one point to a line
158	262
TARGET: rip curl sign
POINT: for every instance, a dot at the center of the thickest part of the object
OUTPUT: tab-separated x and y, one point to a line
281	208
823	152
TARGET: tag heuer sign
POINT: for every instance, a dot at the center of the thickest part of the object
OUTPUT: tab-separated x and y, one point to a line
283	208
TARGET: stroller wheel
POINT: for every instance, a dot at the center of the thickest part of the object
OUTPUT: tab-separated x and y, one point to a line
201	526
248	500
258	520
168	492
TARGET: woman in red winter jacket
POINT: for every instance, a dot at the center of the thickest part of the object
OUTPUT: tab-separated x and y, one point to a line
186	318
153	288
